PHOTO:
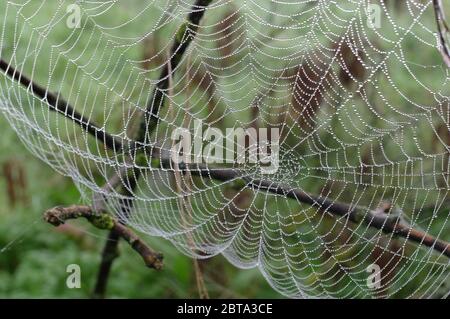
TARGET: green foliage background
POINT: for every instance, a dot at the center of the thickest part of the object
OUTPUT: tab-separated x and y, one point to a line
34	255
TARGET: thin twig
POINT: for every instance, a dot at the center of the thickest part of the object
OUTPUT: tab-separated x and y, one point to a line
443	30
183	187
59	215
185	35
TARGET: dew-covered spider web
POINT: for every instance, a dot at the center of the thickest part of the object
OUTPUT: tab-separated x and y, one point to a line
358	90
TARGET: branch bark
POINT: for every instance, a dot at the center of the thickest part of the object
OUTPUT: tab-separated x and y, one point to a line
59	215
109	254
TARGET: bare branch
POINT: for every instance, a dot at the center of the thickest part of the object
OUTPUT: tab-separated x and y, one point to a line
59	215
357	214
443	30
185	35
354	214
109	254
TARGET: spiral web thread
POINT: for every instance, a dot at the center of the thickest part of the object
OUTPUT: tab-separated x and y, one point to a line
363	113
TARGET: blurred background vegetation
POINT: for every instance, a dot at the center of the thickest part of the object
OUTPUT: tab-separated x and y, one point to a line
34	255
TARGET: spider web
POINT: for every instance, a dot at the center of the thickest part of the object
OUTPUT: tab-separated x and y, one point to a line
363	113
